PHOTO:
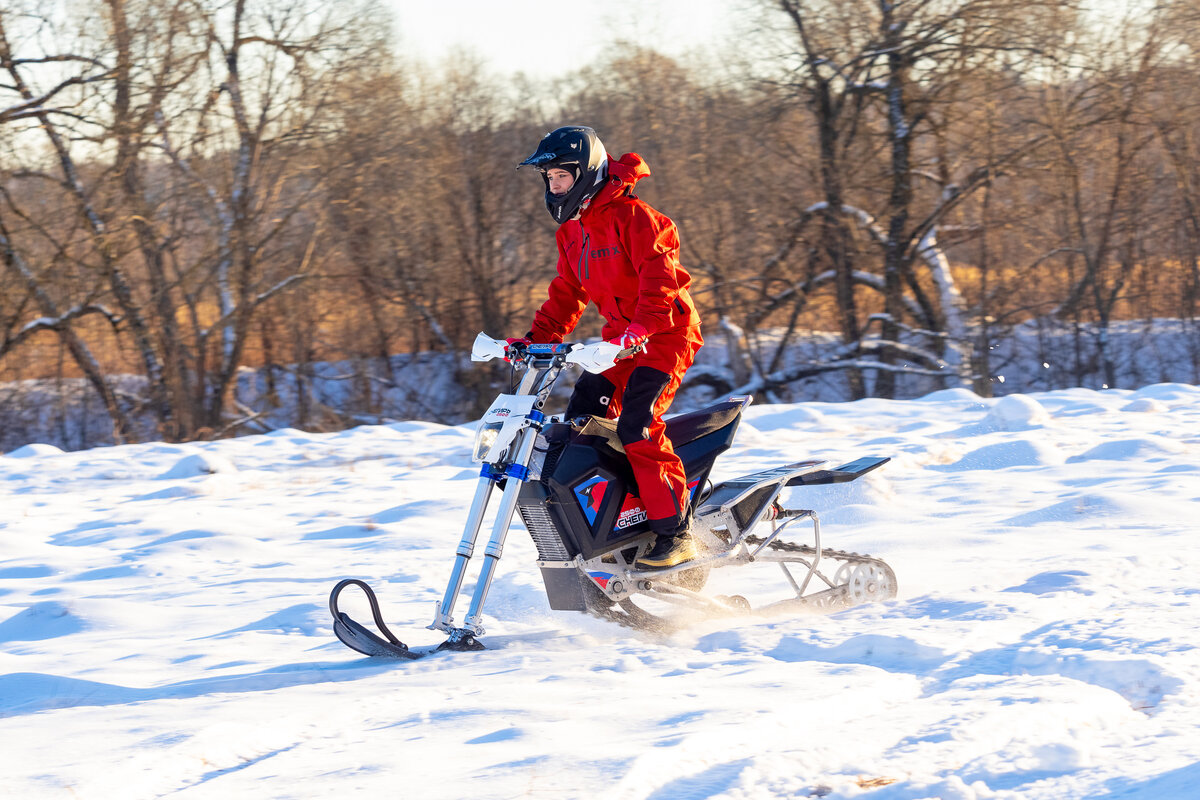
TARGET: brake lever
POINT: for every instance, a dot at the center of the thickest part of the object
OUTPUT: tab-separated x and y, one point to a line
631	351
515	353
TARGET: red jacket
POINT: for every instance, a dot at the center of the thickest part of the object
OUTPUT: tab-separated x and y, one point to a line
623	256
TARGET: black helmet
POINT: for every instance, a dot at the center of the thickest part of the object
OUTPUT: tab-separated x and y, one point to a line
578	150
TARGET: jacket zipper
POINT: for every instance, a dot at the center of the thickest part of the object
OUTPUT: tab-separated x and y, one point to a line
582	267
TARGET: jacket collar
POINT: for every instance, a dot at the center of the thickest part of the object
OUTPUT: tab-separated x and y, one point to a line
623	175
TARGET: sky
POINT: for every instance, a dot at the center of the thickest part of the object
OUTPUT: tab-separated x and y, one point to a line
544	39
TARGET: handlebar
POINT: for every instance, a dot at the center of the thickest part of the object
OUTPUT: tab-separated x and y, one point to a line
595	357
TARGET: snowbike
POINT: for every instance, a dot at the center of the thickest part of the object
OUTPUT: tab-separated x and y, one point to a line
575	493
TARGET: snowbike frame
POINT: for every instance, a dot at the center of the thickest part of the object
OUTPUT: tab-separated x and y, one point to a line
573	489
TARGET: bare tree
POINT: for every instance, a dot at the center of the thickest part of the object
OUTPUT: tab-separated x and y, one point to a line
1103	186
46	106
910	61
210	178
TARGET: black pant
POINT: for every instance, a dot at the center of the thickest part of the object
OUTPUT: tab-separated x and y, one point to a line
593	393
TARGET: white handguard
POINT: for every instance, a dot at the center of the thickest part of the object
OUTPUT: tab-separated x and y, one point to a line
485	348
595	357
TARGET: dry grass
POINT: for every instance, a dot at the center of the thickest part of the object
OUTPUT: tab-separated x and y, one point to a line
330	323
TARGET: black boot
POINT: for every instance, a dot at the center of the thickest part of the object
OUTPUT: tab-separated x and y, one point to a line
668	551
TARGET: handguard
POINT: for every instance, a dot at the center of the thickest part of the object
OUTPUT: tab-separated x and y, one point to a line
597	357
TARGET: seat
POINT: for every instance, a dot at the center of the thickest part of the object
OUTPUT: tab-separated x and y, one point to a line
691	426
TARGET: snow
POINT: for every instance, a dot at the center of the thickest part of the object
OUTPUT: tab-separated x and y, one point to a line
164	630
1016	412
34	450
196	464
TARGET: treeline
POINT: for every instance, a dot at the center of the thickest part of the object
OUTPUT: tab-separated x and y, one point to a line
189	188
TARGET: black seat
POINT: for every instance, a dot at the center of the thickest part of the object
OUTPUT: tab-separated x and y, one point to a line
691	426
697	437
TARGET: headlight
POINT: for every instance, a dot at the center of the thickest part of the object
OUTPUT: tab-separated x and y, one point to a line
485	437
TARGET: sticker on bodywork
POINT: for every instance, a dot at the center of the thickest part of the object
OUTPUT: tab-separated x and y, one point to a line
632	512
590	494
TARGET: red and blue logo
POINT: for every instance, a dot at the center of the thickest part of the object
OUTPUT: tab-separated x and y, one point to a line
591	494
601	578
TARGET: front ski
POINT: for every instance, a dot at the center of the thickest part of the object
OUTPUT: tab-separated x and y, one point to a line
358	637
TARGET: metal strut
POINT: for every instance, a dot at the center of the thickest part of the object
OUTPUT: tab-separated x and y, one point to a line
840	594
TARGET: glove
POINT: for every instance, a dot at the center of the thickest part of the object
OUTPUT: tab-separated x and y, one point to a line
634	337
523	341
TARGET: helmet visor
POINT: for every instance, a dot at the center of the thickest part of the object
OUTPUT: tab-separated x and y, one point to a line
541	159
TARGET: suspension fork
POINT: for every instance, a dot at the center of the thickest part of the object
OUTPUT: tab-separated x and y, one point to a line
495	545
443	619
533	382
444	615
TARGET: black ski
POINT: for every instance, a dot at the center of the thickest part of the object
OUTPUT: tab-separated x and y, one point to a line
359	638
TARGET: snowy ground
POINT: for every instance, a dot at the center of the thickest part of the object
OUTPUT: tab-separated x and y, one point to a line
163	631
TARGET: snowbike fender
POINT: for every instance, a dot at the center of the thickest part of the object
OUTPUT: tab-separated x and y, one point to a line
846	472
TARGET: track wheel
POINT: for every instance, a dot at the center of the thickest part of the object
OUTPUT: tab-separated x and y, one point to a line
866	582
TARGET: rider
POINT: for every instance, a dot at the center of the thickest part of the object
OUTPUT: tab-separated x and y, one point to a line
622	255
